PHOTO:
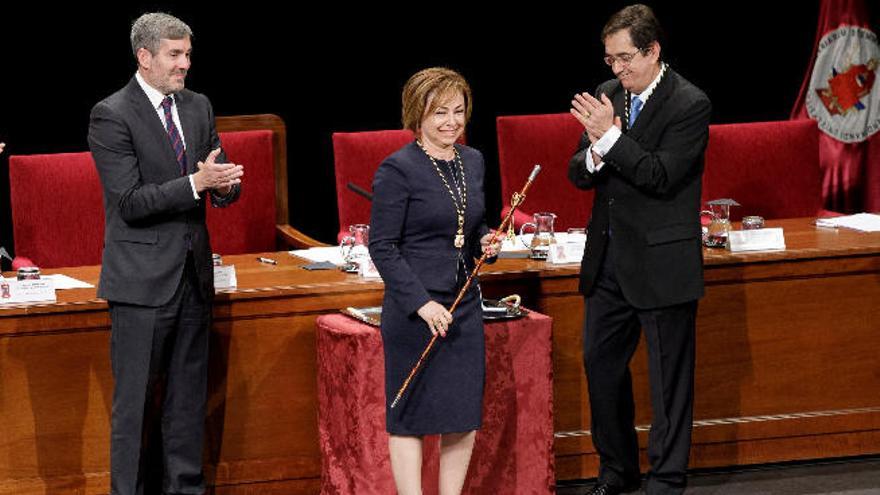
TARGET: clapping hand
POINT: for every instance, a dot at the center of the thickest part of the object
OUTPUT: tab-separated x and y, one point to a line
217	176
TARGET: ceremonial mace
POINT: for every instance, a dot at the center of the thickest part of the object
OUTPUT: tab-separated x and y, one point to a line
515	201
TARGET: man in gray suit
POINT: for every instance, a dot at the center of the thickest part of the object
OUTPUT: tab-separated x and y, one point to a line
158	156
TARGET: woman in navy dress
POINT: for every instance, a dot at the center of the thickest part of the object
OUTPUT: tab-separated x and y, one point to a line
427	226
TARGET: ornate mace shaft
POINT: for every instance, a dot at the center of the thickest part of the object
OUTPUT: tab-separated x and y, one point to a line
515	201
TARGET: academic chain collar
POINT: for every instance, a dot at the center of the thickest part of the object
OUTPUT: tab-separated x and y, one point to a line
627	95
460	187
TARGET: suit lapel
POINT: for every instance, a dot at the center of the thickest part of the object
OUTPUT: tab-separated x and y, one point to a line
654	105
190	133
618	100
153	124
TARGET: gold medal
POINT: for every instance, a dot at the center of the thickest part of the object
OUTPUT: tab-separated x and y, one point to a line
459	240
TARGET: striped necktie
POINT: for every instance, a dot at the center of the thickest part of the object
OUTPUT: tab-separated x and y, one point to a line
174	135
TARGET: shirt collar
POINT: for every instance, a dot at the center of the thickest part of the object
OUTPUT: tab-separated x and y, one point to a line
644	95
154	95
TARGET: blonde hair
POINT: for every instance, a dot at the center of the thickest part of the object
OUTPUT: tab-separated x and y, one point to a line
436	84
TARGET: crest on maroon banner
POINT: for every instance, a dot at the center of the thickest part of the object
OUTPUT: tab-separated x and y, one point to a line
844	98
846	90
842	94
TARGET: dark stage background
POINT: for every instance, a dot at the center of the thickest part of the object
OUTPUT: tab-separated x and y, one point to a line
341	68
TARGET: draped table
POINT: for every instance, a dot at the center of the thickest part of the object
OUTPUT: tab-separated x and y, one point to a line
513	452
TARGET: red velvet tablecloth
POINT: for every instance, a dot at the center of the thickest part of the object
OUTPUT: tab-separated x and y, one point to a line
514	448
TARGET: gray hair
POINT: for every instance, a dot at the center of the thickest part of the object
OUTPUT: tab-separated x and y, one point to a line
149	29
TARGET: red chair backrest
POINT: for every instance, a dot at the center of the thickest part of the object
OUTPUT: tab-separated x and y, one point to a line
357	155
770	168
58	213
548	140
57	209
248	225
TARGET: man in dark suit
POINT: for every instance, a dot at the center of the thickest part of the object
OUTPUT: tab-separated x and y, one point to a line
158	156
642	151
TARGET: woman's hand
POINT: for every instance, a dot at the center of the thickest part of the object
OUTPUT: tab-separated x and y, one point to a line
436	316
490	250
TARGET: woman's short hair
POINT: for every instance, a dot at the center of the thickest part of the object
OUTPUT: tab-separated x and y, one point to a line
435	84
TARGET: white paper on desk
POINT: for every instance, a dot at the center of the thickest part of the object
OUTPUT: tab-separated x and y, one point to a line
863	222
515	245
64	282
318	254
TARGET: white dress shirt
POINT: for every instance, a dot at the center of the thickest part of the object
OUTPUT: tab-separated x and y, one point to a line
156	97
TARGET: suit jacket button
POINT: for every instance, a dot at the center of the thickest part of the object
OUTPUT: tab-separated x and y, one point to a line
610	201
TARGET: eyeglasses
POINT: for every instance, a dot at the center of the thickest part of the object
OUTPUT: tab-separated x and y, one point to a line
624	58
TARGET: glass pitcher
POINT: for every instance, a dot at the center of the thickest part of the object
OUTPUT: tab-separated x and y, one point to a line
719	222
543	236
354	247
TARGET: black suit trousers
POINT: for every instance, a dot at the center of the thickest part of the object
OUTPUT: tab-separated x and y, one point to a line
611	334
159	358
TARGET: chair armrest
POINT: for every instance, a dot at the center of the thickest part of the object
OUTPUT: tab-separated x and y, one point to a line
294	239
823	213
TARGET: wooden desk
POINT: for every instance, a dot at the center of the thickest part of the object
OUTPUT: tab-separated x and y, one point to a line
787	367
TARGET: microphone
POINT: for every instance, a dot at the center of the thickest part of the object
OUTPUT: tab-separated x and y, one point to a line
18	261
363	192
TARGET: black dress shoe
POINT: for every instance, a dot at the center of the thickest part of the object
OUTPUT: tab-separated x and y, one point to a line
605	489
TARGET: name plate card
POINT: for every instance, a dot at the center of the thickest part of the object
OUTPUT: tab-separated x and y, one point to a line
224	277
26	291
367	269
565	252
756	240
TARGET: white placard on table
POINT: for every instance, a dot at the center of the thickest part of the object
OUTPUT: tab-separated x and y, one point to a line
14	291
367	269
756	240
565	252
224	277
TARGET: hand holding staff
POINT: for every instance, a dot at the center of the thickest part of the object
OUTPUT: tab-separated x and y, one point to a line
515	201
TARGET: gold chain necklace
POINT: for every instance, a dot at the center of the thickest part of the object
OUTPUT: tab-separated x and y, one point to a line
462	191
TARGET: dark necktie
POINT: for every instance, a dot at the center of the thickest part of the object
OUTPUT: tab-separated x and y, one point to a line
174	135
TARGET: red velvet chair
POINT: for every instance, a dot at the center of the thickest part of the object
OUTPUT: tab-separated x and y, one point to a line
58	214
57	209
770	168
548	140
258	221
357	155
